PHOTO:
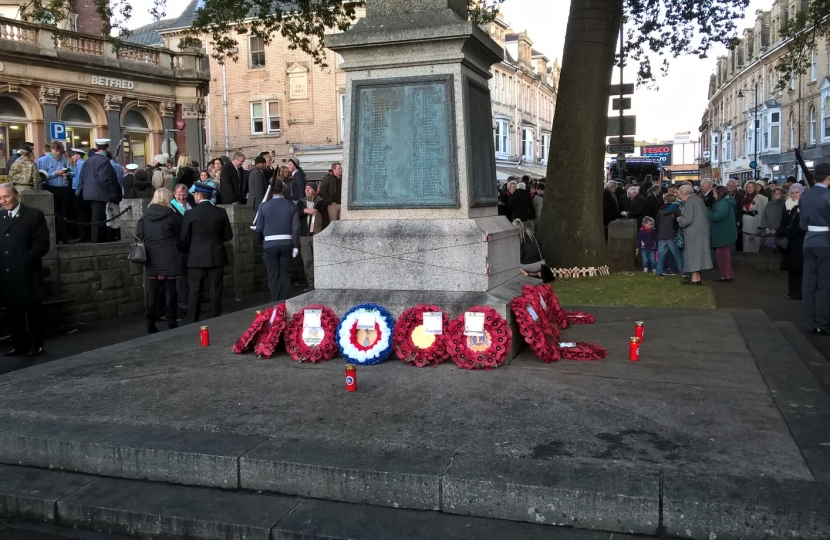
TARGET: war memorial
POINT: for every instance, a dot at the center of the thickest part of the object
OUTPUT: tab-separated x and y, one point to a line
723	437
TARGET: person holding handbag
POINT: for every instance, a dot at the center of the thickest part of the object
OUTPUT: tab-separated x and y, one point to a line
160	230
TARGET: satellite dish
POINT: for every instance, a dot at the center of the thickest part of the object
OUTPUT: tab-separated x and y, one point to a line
169	147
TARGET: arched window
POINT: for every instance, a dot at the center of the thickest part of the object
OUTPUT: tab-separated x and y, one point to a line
136	120
11	108
15	123
75	113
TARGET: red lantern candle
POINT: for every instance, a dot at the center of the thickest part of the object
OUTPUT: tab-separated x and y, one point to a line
634	350
204	333
351	378
639	331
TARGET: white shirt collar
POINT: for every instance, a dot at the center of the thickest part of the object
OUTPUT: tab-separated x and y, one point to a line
15	210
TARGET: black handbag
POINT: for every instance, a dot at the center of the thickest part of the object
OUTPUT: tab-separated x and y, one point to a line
137	252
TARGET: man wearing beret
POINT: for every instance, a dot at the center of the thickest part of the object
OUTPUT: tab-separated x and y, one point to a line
298	180
814	215
205	229
279	225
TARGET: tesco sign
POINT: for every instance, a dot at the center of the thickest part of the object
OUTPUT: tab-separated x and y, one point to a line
658	153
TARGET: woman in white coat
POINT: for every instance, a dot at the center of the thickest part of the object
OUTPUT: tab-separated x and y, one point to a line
752	212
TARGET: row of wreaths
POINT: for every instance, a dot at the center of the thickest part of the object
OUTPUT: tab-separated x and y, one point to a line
538	313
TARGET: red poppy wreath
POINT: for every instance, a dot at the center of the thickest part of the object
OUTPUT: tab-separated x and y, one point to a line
582	351
273	329
542	336
269	321
310	342
549	303
485	350
416	341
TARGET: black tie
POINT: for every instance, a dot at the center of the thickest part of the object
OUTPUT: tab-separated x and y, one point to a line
9	214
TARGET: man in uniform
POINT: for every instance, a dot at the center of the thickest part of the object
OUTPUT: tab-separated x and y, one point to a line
129	178
24	240
814	209
76	157
205	229
310	211
279	225
99	186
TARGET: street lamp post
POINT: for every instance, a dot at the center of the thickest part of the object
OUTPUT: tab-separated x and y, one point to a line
754	127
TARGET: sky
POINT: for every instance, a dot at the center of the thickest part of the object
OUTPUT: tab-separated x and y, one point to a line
677	105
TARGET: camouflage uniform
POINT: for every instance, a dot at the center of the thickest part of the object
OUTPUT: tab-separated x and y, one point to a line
24	174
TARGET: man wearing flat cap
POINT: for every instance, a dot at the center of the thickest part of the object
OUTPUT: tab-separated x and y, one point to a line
814	215
298	180
99	185
205	229
310	210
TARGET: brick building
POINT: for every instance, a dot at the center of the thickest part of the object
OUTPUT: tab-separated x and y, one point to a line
523	91
797	117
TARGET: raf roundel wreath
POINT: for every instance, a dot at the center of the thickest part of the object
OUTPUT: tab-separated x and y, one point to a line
480	352
415	346
366	346
312	344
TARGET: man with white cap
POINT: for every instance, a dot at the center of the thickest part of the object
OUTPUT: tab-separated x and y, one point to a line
129	178
99	185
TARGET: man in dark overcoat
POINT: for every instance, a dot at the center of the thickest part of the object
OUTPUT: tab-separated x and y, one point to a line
99	185
205	229
24	240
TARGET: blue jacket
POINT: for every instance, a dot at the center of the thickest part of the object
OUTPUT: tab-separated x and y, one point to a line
98	180
51	164
279	217
814	208
76	176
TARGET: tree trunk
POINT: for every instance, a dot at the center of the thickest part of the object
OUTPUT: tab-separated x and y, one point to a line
570	228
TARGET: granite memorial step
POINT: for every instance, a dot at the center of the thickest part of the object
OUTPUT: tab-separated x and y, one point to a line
156	510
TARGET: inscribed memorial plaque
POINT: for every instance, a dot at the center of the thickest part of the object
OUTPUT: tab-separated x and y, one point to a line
483	185
403	144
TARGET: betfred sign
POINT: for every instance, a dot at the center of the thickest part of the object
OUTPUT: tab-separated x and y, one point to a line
659	153
113	83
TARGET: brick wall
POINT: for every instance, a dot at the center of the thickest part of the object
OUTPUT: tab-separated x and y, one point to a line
88	20
305	122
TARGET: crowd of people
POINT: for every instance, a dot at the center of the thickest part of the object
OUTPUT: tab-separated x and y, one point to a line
181	231
680	228
521	198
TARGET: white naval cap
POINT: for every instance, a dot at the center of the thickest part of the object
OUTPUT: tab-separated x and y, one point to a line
131	167
102	142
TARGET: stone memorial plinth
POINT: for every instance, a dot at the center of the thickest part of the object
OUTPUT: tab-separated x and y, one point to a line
419	217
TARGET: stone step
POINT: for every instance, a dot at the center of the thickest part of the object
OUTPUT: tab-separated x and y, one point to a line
156	510
814	360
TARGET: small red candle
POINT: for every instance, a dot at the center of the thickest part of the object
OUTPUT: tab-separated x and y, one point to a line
634	349
204	334
639	331
351	378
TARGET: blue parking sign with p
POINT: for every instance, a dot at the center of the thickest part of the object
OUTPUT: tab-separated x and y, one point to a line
57	131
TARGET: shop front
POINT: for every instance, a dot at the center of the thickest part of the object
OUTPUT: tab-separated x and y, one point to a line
133	95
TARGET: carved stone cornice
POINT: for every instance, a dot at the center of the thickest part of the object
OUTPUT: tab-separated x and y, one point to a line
112	102
49	95
194	110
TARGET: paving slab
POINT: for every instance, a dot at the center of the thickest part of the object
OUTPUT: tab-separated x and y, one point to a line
812	358
798	395
697	403
728	507
152	453
313	520
154	509
27	493
564	493
321	470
